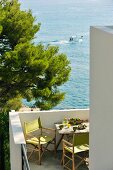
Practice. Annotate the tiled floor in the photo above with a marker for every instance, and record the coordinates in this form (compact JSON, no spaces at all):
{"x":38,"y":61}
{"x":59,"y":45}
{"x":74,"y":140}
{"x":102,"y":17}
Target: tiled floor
{"x":50,"y":163}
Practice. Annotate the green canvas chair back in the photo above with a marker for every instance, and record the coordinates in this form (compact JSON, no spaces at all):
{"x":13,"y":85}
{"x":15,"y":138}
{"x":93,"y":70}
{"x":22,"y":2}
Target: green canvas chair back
{"x":32,"y":126}
{"x":80,"y":138}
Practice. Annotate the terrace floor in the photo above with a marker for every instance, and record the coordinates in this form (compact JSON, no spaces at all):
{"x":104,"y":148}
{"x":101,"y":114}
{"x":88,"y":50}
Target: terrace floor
{"x":50,"y":163}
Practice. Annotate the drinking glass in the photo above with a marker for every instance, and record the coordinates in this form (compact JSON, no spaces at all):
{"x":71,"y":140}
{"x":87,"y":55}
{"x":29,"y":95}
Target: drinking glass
{"x":65,"y":122}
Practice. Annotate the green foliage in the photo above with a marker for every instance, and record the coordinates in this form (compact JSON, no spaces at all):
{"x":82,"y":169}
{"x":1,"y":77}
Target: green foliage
{"x":28,"y":70}
{"x":4,"y":139}
{"x":18,"y":25}
{"x":14,"y":104}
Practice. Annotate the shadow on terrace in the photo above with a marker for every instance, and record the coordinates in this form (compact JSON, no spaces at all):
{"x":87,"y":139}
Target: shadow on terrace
{"x":17,"y":139}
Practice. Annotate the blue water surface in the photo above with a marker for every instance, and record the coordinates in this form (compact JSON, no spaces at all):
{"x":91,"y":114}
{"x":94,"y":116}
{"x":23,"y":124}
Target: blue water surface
{"x":61,"y":19}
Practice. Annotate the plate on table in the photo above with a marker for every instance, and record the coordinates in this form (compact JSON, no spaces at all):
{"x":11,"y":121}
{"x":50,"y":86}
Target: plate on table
{"x":60,"y":127}
{"x":65,"y":127}
{"x":81,"y":127}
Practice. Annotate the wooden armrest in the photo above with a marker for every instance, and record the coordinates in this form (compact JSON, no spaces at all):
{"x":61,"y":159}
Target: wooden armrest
{"x":29,"y":135}
{"x":66,"y":142}
{"x":33,"y":136}
{"x":51,"y":129}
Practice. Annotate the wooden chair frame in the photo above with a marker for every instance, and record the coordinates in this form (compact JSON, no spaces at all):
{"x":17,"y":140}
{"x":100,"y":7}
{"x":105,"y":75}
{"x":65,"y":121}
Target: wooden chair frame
{"x":69,"y":158}
{"x":35,"y":144}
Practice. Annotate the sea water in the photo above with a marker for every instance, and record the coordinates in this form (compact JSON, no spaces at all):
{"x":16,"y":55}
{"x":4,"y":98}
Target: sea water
{"x":61,"y":19}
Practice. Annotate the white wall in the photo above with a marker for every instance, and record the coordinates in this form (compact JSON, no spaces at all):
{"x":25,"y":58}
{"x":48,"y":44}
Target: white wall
{"x":101,"y":98}
{"x":15,"y":153}
{"x":16,"y":139}
{"x":48,"y":118}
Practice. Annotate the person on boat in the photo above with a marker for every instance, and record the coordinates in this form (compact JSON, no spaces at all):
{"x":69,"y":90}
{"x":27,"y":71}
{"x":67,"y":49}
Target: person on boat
{"x":81,"y":39}
{"x":71,"y":39}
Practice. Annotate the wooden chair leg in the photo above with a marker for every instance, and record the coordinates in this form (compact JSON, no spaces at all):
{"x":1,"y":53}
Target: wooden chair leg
{"x":61,"y":162}
{"x":39,"y":154}
{"x":55,"y":153}
{"x":30,"y":154}
{"x":63,"y":157}
{"x":73,"y":162}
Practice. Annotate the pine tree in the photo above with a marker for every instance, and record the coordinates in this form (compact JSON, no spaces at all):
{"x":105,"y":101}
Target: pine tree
{"x":28,"y":70}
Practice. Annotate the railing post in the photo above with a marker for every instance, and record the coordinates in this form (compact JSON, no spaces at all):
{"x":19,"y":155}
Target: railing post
{"x":25,"y":162}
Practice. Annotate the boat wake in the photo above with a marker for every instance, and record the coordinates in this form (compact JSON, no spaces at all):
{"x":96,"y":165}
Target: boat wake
{"x":60,"y":42}
{"x":72,"y":40}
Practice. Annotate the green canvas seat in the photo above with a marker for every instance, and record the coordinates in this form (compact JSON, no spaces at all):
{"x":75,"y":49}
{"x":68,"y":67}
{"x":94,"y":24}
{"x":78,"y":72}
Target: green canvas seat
{"x":35,"y":141}
{"x":38,"y":137}
{"x":79,"y":144}
{"x":77,"y":149}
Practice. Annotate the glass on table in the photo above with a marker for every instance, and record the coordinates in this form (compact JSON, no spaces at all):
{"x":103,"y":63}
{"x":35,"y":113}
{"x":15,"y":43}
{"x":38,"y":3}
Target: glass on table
{"x":69,"y":125}
{"x":65,"y":122}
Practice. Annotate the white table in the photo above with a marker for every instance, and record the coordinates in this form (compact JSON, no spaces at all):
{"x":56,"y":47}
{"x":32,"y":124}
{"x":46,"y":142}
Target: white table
{"x":69,"y":130}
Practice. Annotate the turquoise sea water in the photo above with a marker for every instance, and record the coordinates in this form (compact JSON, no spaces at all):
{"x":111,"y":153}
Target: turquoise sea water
{"x":61,"y":19}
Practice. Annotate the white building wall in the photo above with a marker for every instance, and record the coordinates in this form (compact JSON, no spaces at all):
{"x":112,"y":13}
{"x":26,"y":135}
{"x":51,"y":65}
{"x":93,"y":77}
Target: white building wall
{"x":101,"y":98}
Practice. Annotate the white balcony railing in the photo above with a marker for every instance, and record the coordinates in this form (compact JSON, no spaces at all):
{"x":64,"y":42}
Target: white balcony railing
{"x":48,"y":118}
